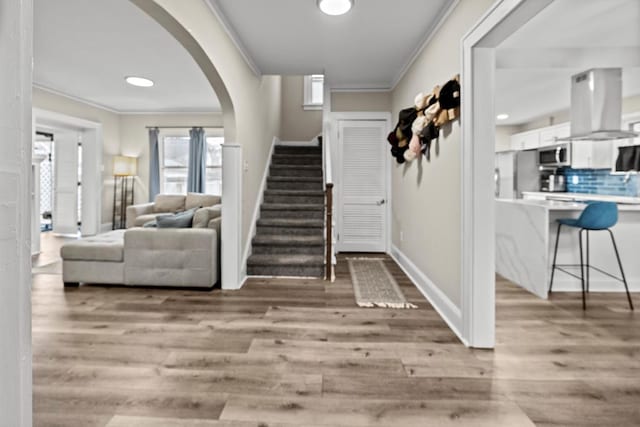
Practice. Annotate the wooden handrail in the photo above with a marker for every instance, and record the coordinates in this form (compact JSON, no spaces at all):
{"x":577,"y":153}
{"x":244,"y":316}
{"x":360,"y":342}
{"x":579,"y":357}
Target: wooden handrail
{"x":329,"y":236}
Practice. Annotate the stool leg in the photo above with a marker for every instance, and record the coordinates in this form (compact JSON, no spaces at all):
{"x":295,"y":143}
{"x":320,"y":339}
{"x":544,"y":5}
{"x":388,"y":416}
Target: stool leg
{"x":624,"y":279}
{"x":584,"y":301}
{"x":555,"y":256}
{"x":588,"y":262}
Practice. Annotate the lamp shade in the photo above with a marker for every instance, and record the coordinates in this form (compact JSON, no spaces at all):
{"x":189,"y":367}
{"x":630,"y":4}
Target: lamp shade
{"x":125,"y":166}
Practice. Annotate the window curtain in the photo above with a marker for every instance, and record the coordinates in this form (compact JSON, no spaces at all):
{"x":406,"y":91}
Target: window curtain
{"x":154,"y":164}
{"x":197,"y":161}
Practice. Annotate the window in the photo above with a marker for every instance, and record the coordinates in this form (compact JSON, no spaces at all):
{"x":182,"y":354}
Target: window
{"x":313,"y":92}
{"x":174,"y":159}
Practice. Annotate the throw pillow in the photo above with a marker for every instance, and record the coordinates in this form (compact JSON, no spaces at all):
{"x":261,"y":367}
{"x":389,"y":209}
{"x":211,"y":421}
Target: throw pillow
{"x":204,"y":215}
{"x":150,"y":224}
{"x":179,"y":220}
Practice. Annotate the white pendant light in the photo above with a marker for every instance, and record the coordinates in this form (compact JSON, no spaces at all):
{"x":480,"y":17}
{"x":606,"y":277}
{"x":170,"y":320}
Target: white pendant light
{"x":335,"y":7}
{"x":139,"y":81}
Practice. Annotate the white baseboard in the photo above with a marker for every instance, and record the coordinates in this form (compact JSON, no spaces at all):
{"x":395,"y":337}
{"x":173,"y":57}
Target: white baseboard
{"x":256,"y":211}
{"x":313,"y":143}
{"x":443,"y":305}
{"x":599,"y":285}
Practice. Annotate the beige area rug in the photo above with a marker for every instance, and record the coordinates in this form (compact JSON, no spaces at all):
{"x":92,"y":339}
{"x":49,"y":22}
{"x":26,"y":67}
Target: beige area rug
{"x":374,"y":286}
{"x":51,"y":268}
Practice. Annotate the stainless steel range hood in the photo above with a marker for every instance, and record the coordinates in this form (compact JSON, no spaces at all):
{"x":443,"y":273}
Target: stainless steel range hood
{"x":596,"y":105}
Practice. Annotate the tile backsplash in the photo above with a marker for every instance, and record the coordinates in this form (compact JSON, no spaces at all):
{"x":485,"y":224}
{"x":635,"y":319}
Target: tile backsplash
{"x":600,"y":181}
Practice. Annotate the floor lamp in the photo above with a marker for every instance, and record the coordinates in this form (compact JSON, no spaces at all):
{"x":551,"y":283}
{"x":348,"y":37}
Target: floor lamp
{"x":124,"y":171}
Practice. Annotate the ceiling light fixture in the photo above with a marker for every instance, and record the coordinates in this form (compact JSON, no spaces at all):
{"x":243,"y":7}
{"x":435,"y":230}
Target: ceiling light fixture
{"x":502,"y":116}
{"x":139,"y":81}
{"x":335,"y":7}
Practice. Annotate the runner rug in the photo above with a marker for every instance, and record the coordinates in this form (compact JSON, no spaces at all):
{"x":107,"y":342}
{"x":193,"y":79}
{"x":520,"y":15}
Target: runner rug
{"x":374,"y":286}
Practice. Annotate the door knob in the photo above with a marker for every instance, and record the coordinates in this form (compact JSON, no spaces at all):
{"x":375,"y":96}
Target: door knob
{"x":381,"y":202}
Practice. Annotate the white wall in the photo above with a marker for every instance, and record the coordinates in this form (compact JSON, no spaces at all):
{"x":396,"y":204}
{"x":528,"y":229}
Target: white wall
{"x":361,"y":101}
{"x":426,"y":195}
{"x":297,"y":124}
{"x":503,"y":137}
{"x":16,"y":26}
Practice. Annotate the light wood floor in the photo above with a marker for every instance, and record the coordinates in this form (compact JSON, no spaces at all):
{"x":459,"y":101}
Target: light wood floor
{"x":299,"y":353}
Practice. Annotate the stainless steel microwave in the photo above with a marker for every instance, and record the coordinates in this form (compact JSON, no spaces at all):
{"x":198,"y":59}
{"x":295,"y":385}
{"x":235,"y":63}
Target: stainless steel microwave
{"x":555,"y":155}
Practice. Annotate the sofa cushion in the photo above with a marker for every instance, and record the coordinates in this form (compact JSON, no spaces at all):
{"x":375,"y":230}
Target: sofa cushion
{"x":203,"y":215}
{"x":179,"y":220}
{"x":199,"y":200}
{"x":103,"y":247}
{"x":169,"y":203}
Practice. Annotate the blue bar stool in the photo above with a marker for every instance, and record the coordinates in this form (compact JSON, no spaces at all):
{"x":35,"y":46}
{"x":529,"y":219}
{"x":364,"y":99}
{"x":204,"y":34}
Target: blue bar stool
{"x":595,"y":217}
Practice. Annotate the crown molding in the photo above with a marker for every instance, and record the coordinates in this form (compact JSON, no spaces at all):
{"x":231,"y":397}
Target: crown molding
{"x":431,"y":32}
{"x":168,"y":113}
{"x":233,"y":35}
{"x":75,"y":98}
{"x":119,"y":112}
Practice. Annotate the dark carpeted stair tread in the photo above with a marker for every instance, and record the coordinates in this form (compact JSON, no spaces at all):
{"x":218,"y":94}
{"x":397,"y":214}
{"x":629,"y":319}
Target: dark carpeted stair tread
{"x":288,"y":149}
{"x":297,"y":159}
{"x":292,"y":240}
{"x":310,"y":193}
{"x":291,"y":222}
{"x":317,"y":179}
{"x":300,"y":167}
{"x":286,"y":260}
{"x":292,"y":206}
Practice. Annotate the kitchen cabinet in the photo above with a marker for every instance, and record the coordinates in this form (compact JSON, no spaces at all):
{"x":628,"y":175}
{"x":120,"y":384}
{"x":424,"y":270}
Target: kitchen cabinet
{"x":591,"y":154}
{"x":549,"y":136}
{"x":539,"y":137}
{"x":633,"y":124}
{"x":525,"y":140}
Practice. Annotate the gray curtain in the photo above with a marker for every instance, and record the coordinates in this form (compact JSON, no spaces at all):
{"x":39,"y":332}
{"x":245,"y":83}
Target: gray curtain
{"x":154,"y":164}
{"x":197,"y":161}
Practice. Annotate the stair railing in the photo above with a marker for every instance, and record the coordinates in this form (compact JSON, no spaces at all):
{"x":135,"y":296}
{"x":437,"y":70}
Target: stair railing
{"x":327,"y":171}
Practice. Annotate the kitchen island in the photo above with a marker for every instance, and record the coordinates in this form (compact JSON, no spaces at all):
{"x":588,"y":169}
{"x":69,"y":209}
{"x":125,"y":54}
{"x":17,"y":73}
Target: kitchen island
{"x":525,"y":239}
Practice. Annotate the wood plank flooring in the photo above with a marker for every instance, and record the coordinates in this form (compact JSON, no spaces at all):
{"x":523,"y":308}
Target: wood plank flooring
{"x":299,"y":353}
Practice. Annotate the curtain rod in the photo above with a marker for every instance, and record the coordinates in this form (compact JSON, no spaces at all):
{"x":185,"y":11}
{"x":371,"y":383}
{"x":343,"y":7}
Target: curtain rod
{"x":184,"y":127}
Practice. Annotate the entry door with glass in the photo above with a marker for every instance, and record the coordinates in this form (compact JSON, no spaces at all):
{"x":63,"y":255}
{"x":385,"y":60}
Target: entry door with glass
{"x":65,"y":209}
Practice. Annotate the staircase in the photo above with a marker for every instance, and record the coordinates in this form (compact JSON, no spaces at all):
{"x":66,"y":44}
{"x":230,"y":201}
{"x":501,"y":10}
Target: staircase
{"x":289,"y":239}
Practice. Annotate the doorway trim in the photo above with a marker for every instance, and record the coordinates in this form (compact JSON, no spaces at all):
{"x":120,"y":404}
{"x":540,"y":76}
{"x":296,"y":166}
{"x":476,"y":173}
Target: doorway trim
{"x":477,"y":163}
{"x":334,"y":120}
{"x":91,"y":193}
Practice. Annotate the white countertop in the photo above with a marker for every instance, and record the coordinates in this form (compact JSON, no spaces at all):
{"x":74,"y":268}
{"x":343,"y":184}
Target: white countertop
{"x":558,"y":205}
{"x":584,"y":196}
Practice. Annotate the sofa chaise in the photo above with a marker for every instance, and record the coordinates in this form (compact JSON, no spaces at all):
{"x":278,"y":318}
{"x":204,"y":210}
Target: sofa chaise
{"x":145,"y":256}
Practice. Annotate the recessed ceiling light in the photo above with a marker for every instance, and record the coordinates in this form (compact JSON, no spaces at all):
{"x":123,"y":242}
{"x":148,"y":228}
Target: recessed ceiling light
{"x":502,"y":116}
{"x":335,"y":7}
{"x":139,"y":81}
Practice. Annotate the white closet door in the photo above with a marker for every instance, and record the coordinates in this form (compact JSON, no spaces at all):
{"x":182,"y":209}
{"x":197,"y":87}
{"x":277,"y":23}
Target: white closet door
{"x":65,"y":207}
{"x":363,"y":186}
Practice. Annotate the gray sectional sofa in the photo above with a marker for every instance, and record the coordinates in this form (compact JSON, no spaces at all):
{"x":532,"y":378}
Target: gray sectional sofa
{"x":173,"y":257}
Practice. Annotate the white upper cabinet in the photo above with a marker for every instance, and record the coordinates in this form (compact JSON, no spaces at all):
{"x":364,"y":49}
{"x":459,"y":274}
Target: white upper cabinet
{"x":549,"y":136}
{"x":525,"y":140}
{"x":591,"y":154}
